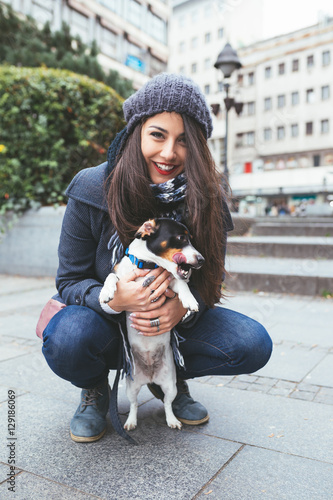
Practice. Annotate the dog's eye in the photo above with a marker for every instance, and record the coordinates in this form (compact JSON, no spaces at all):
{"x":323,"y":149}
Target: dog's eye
{"x":181,"y":237}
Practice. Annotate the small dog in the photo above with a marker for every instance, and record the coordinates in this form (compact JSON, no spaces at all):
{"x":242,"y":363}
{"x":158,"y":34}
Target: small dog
{"x":165,"y":243}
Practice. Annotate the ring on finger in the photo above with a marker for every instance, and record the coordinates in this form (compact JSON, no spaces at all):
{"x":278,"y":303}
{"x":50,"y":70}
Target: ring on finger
{"x":173,"y":296}
{"x":158,"y":328}
{"x":155,"y":322}
{"x":148,"y":281}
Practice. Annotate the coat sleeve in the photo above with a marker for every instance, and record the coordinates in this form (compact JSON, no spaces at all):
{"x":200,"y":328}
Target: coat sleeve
{"x":76,"y":280}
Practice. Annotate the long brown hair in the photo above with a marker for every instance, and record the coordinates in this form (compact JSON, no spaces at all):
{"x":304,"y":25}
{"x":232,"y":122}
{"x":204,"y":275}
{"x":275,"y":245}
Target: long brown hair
{"x":131,"y":202}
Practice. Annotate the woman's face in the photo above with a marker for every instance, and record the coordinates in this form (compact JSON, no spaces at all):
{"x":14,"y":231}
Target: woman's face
{"x":163,"y":146}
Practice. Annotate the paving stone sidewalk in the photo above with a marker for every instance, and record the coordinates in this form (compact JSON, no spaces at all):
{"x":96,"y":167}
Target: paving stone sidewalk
{"x":269,"y":434}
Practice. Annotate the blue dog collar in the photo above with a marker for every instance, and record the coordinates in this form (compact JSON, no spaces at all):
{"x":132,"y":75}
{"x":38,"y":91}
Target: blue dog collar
{"x":140,"y":264}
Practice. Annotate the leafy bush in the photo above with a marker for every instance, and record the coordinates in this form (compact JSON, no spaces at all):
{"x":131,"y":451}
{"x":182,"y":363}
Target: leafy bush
{"x":22,"y":43}
{"x":53,"y":123}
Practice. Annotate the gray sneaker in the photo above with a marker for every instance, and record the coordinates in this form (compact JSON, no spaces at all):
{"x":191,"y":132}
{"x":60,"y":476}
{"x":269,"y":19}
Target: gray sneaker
{"x":187,"y":410}
{"x":89,"y":421}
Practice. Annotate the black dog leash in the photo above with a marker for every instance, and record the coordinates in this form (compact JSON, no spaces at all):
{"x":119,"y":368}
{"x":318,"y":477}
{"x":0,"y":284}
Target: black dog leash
{"x":113,"y":406}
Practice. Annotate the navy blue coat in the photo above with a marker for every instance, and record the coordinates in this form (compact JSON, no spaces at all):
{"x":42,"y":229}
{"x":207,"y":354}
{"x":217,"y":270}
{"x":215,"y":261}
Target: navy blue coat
{"x":84,"y":258}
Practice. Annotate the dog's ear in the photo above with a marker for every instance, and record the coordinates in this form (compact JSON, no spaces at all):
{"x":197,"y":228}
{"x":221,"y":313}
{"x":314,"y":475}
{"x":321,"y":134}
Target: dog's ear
{"x":149,"y":227}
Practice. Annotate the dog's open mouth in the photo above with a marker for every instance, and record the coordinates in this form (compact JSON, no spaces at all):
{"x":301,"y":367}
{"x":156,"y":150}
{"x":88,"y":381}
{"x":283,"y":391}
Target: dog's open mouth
{"x":184,"y":271}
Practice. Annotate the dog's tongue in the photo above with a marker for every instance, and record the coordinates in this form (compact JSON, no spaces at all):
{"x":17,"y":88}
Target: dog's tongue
{"x":179,"y":258}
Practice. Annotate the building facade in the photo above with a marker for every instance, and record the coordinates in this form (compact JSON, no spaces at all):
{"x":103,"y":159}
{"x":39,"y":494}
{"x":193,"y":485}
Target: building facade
{"x":280,"y":147}
{"x":132,"y":35}
{"x":282,"y":144}
{"x":199,"y":29}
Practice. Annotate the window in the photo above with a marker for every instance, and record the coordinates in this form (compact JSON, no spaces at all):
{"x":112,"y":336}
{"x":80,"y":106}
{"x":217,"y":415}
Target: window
{"x":220,"y":33}
{"x":79,"y":25}
{"x":251,"y":78}
{"x":114,"y":5}
{"x":240,"y":78}
{"x":250,"y":108}
{"x":309,"y":128}
{"x":42,"y":13}
{"x":181,"y":46}
{"x":207,"y":89}
{"x":246,"y":139}
{"x":268,"y":103}
{"x":294,"y":98}
{"x":281,"y":69}
{"x":281,"y":101}
{"x":156,"y":66}
{"x":194,"y":68}
{"x":295,"y":65}
{"x":194,"y":42}
{"x":108,"y":42}
{"x":134,"y":13}
{"x":310,"y":95}
{"x":267,"y":134}
{"x":325,"y":92}
{"x":310,"y":61}
{"x":294,"y":130}
{"x":326,"y":58}
{"x":316,"y":160}
{"x":281,"y":133}
{"x":324,"y":127}
{"x":208,"y":63}
{"x":207,"y":37}
{"x":158,"y":28}
{"x":249,"y":139}
{"x":268,"y":72}
{"x":239,"y":140}
{"x":181,"y":70}
{"x":220,"y":86}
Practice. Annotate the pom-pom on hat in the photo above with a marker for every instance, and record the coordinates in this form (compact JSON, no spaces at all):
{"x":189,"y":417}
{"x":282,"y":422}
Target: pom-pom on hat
{"x":168,"y":92}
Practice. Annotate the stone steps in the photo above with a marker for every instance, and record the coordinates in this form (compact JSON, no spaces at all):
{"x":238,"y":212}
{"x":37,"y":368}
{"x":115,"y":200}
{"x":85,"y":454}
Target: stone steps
{"x":283,"y":255}
{"x":299,"y":247}
{"x":297,"y":228}
{"x":279,"y":275}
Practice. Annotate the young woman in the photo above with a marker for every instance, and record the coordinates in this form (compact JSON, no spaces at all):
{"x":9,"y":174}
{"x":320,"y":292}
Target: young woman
{"x":159,"y":165}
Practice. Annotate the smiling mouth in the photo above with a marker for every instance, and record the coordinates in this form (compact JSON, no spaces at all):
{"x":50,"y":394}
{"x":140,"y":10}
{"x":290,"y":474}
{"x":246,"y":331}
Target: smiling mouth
{"x":164,"y":168}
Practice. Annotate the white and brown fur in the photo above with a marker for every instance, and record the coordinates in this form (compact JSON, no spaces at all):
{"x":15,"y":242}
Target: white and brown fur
{"x":166,"y":243}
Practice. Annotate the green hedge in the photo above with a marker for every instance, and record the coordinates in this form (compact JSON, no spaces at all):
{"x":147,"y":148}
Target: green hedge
{"x":53,"y":123}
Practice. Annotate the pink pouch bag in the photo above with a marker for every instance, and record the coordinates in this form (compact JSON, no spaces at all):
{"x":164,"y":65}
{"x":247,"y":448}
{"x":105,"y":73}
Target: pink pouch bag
{"x":49,"y":310}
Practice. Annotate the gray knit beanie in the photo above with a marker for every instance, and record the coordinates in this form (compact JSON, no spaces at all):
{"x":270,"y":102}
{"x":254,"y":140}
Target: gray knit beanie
{"x":168,"y":92}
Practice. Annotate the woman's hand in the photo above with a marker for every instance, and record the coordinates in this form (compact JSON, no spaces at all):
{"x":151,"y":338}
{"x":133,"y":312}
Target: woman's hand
{"x":169,"y":314}
{"x":147,"y":294}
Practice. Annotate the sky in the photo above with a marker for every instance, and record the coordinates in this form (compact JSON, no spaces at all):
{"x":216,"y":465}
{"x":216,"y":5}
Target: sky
{"x":284,"y":16}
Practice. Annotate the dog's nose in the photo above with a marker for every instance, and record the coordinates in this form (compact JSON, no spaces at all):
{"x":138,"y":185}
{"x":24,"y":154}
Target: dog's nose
{"x":200,"y":260}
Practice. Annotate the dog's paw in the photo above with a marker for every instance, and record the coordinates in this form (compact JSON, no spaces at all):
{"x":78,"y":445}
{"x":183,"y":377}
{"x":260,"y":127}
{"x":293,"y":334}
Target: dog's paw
{"x":174,"y":423}
{"x":104,"y":296}
{"x":109,"y":288}
{"x":130,"y":424}
{"x":190,"y":303}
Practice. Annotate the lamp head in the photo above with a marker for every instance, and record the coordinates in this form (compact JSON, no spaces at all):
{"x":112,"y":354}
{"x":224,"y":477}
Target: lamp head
{"x":228,"y":61}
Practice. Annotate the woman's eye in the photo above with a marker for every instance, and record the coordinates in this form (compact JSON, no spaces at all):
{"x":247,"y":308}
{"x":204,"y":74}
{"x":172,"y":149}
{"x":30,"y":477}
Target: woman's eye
{"x":158,"y":135}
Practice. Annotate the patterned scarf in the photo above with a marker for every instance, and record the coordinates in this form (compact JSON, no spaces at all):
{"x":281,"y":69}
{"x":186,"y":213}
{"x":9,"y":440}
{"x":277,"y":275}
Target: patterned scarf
{"x":171,"y":197}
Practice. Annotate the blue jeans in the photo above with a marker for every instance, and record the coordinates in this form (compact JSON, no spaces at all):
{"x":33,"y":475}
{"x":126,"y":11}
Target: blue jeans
{"x":81,"y":346}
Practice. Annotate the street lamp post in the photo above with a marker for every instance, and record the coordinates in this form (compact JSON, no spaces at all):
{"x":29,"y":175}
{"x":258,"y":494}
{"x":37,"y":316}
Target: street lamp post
{"x":227,"y":62}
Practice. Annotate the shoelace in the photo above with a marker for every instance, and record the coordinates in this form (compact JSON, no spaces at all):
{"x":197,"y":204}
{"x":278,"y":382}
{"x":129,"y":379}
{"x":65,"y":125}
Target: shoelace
{"x":91,"y":397}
